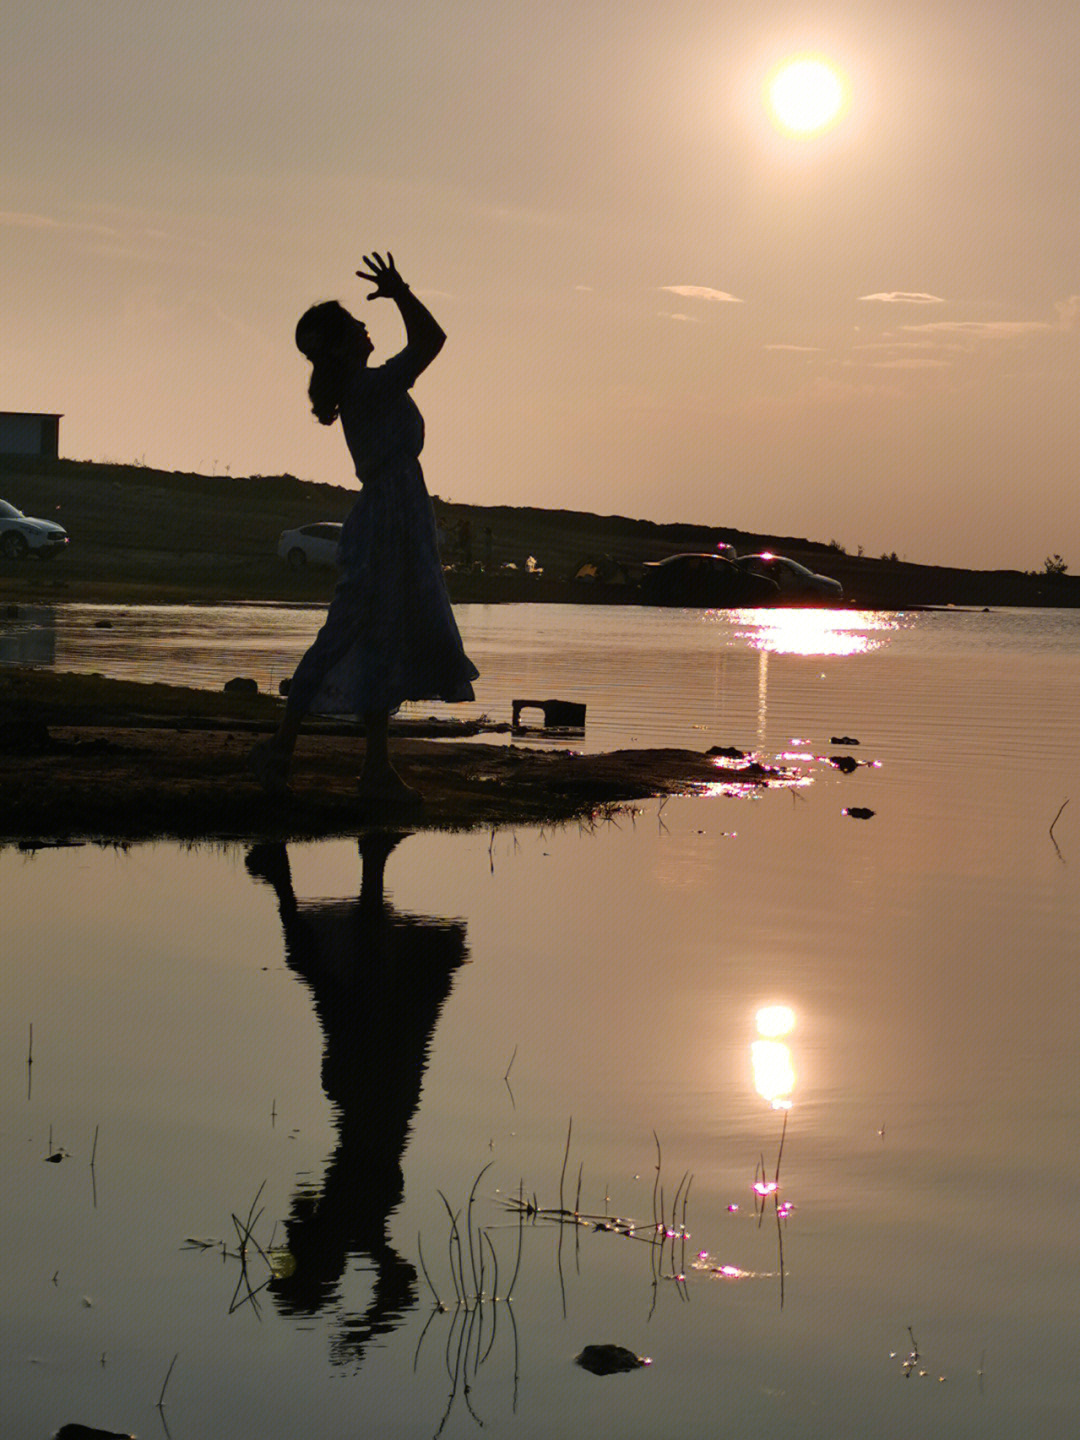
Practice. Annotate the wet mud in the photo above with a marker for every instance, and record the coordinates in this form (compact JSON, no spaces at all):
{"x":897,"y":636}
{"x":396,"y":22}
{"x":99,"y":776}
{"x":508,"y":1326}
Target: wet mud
{"x":93,"y":759}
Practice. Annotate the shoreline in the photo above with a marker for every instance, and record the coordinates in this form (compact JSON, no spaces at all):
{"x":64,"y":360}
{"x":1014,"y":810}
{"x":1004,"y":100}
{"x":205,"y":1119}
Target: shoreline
{"x":88,"y":759}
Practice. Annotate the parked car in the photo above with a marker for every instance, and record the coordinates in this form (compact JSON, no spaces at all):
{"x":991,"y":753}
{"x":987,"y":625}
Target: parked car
{"x":315,"y":544}
{"x":795,"y":581}
{"x":706,"y":580}
{"x":22,"y":535}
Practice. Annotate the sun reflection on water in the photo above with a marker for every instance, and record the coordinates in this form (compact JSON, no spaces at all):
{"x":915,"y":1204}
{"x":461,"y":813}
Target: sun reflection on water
{"x":774,"y":1073}
{"x":815,"y":632}
{"x":773,"y":1067}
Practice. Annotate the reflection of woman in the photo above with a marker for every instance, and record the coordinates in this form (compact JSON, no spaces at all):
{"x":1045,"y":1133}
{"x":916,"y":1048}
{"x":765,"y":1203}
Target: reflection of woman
{"x":378,"y":980}
{"x":390,"y":634}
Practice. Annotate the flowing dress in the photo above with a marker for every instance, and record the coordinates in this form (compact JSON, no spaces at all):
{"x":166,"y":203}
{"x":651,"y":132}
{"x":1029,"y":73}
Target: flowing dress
{"x":390,"y":633}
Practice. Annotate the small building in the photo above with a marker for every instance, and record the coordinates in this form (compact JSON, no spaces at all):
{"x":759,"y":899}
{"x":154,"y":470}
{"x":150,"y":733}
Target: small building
{"x":24,"y":432}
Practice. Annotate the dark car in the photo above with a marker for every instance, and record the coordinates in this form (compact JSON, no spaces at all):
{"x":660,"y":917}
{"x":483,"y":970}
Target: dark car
{"x":796,"y":582}
{"x":705,"y":581}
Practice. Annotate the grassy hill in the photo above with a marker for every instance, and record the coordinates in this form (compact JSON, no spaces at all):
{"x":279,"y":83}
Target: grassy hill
{"x":139,"y":534}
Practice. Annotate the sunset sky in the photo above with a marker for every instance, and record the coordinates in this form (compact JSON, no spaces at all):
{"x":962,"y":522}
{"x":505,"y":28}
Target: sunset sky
{"x":660,"y":303}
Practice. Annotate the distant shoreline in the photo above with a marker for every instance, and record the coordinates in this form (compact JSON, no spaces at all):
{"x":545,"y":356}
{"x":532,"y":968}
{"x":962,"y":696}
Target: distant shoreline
{"x":143,"y":536}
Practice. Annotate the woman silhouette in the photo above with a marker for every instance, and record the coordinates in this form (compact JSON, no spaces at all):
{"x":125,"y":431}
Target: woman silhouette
{"x":390,"y":634}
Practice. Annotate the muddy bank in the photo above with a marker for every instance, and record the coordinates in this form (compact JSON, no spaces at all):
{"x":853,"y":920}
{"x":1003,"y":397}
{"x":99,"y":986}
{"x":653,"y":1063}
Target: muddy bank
{"x":86,"y":758}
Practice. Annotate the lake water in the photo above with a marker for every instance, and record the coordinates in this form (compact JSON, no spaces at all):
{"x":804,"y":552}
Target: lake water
{"x":271,"y":1035}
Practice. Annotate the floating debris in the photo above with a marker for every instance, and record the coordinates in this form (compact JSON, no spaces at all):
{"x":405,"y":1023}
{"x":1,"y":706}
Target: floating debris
{"x":84,"y":1432}
{"x":859,"y":812}
{"x":610,"y":1360}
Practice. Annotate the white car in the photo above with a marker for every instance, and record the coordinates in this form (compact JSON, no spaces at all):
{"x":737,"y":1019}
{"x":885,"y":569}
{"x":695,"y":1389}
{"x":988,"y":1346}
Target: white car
{"x":315,"y":544}
{"x":22,"y":535}
{"x":794,"y":580}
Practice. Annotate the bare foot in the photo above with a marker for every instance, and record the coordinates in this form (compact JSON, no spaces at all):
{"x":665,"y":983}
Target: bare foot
{"x":270,"y":766}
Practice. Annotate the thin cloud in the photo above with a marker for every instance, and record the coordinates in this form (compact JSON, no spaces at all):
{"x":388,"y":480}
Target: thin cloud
{"x":890,"y":345}
{"x":678,"y":315}
{"x":984,"y":331}
{"x":796,"y":349}
{"x":702,"y":292}
{"x":904,"y":297}
{"x":911,"y":362}
{"x":979,"y":330}
{"x":20,"y":220}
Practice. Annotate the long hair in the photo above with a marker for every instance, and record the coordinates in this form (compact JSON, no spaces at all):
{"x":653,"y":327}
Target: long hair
{"x":321,"y":333}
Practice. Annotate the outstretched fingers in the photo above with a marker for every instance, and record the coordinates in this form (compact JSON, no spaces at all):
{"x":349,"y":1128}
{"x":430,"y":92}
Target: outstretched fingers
{"x":381,"y":273}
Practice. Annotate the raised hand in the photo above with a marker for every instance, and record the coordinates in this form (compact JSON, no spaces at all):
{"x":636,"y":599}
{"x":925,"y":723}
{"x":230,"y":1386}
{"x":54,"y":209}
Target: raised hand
{"x":383,"y":275}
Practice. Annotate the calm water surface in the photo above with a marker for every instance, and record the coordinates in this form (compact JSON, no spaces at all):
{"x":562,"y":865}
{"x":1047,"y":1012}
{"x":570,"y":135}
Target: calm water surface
{"x":215,"y":1024}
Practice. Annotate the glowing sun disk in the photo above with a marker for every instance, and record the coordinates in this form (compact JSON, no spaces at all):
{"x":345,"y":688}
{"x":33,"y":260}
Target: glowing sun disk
{"x":805,"y":95}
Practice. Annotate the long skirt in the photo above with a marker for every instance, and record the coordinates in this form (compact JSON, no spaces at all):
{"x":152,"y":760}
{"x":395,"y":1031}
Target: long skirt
{"x":390,"y":633}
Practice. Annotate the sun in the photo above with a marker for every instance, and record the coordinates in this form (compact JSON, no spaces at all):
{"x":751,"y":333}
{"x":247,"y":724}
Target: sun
{"x":805,"y":95}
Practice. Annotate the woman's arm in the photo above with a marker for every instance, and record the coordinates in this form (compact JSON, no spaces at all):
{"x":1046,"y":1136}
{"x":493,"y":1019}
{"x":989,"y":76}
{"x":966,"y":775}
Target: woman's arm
{"x":424,"y":334}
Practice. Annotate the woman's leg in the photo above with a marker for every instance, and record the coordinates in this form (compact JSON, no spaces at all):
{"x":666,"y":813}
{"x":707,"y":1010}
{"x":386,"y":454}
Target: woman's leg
{"x":378,"y":779}
{"x":269,"y":759}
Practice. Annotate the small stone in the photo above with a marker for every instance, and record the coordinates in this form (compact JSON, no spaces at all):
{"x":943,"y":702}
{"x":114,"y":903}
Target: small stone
{"x":609,"y":1360}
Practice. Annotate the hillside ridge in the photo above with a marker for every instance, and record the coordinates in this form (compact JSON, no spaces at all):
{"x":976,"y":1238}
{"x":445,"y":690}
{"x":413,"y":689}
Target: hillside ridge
{"x":138,"y":531}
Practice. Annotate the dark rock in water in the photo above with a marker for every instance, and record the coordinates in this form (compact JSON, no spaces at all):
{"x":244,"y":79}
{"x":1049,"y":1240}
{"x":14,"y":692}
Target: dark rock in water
{"x":241,"y":685}
{"x":757,"y":771}
{"x":84,"y":1432}
{"x":608,"y":1360}
{"x":859,"y":812}
{"x":844,"y":763}
{"x":729,"y":752}
{"x":842,"y":740}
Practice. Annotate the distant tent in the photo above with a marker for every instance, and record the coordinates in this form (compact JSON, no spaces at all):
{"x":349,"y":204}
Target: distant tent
{"x":602,"y":570}
{"x":24,"y":432}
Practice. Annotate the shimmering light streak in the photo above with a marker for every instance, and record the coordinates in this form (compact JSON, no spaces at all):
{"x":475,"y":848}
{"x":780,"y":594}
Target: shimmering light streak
{"x":784,"y":631}
{"x":723,"y":1272}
